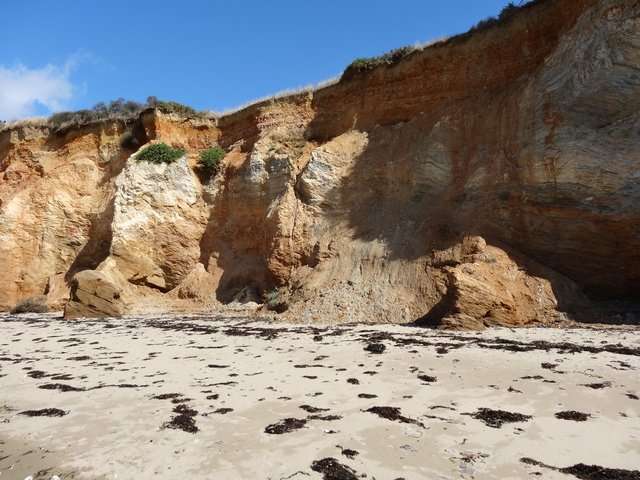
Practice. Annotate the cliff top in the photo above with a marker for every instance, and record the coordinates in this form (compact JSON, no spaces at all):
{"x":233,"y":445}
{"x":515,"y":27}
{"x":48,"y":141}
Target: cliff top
{"x":126,"y":110}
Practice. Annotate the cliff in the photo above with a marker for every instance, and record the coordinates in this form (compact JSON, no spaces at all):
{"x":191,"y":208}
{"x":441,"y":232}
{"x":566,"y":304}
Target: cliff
{"x":490,"y":179}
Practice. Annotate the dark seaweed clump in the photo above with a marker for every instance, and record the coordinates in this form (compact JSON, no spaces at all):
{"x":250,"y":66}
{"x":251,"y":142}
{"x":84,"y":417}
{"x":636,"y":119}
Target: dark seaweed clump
{"x":331,"y":469}
{"x":45,"y":412}
{"x":166,"y":396}
{"x":589,"y":472}
{"x":392,"y":413}
{"x":497,"y":418}
{"x":184,"y":420}
{"x":427,"y":378}
{"x":223,"y":411}
{"x":347,"y":452}
{"x":285,"y":426}
{"x":63,"y":387}
{"x":597,"y":386}
{"x":326,"y":418}
{"x":375,"y":348}
{"x":310,"y":409}
{"x":572,"y":415}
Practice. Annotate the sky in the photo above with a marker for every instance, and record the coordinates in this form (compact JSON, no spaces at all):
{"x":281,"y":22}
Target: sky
{"x":208,"y":54}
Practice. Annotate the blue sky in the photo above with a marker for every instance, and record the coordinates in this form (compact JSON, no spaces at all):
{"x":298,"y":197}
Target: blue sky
{"x":211,"y":55}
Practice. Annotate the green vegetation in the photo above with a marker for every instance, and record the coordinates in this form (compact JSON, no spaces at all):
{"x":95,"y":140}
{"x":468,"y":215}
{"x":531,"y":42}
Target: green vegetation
{"x":275,"y":302}
{"x":369,"y":63}
{"x":177,"y":108}
{"x":272,"y":298}
{"x":30,"y":305}
{"x":119,"y":109}
{"x":159,"y":153}
{"x":116,"y":110}
{"x":210,"y":159}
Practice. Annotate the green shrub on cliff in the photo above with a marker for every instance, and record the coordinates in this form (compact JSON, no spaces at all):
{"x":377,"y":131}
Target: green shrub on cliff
{"x":119,"y":109}
{"x":210,"y":159}
{"x":159,"y":153}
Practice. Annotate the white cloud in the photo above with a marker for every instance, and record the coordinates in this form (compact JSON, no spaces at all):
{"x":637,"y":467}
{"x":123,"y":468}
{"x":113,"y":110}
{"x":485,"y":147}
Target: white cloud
{"x":23,"y":88}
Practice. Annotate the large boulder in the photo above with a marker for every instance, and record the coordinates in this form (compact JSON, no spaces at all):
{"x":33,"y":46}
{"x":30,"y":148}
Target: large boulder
{"x":486,"y":287}
{"x":103,"y":292}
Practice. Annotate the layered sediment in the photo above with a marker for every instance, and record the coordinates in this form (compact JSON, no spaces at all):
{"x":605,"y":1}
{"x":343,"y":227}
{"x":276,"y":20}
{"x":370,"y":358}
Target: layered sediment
{"x":489,"y":179}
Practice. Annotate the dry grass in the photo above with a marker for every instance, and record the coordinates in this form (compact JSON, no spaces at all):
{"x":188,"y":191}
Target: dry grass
{"x":289,"y":92}
{"x":24,"y":122}
{"x":30,"y":305}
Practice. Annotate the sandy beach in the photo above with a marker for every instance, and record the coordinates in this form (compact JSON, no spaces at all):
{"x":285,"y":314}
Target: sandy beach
{"x":205,"y":397}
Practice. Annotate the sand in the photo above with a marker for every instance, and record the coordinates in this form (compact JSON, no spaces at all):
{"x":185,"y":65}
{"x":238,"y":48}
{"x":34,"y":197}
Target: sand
{"x":339,"y":402}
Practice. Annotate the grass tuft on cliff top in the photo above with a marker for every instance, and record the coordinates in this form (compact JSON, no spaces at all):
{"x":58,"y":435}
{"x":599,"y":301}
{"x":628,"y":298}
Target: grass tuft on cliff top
{"x":158,"y":153}
{"x":365,"y":64}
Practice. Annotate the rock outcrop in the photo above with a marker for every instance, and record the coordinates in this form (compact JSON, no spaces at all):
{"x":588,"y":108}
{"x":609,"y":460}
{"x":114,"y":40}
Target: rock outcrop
{"x":157,"y":224}
{"x":100,"y":292}
{"x":492,"y":179}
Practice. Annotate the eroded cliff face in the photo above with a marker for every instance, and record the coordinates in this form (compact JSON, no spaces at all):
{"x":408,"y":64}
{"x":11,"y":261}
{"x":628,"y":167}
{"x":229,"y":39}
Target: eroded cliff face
{"x":489,"y":180}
